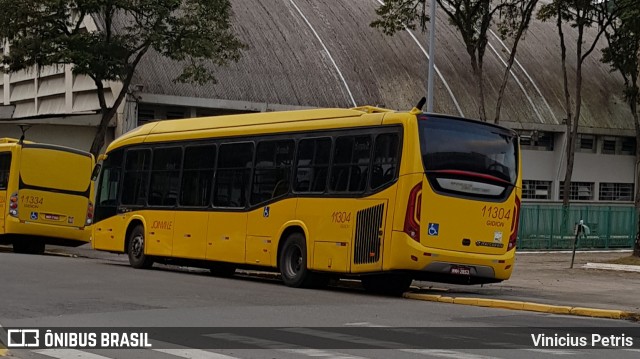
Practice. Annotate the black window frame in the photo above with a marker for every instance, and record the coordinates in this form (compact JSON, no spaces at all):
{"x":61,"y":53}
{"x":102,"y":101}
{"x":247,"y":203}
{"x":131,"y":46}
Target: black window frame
{"x":5,"y":173}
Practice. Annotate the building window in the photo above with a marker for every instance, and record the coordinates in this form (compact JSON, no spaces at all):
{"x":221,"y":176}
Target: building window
{"x":586,"y":143}
{"x":580,"y":191}
{"x":537,"y":140}
{"x":618,"y":146}
{"x":616,"y":191}
{"x":176,"y":113}
{"x":146,"y":114}
{"x":532,"y":189}
{"x":628,"y":146}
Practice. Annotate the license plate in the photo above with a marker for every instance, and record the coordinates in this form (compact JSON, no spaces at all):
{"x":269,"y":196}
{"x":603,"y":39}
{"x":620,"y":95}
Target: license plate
{"x":52,"y":217}
{"x":460,"y":270}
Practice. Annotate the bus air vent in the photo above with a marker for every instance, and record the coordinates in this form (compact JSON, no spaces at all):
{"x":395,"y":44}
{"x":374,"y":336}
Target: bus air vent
{"x":368,"y":235}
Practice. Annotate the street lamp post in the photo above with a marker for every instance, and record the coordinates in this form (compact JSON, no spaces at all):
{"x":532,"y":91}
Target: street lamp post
{"x":432,"y":50}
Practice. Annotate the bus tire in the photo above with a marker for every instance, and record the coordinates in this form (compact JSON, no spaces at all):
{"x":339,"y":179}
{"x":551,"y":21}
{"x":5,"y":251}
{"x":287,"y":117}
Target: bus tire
{"x":135,"y":250}
{"x":293,"y":262}
{"x":386,"y":284}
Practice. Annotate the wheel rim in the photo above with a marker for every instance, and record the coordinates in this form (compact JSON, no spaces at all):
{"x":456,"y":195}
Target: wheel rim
{"x":137,"y":246}
{"x":293,"y":261}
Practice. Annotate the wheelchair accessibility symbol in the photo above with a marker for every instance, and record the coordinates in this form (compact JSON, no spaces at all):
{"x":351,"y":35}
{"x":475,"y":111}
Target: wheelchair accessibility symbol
{"x":433,"y":230}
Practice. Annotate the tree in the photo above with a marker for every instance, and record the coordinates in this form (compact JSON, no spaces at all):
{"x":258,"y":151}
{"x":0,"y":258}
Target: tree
{"x":472,"y":19}
{"x":49,"y":32}
{"x":623,"y":54}
{"x":580,"y":15}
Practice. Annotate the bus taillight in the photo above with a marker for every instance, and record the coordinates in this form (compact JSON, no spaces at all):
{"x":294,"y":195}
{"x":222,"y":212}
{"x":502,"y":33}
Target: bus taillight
{"x":412,"y":217}
{"x":13,"y":204}
{"x":514,"y":225}
{"x":89,"y":220}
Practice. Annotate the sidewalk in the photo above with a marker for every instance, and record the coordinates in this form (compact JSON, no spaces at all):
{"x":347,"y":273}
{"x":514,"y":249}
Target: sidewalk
{"x":546,"y":278}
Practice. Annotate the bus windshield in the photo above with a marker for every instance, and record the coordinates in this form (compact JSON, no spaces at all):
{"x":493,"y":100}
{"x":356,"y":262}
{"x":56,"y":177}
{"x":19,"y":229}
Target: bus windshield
{"x":450,"y":145}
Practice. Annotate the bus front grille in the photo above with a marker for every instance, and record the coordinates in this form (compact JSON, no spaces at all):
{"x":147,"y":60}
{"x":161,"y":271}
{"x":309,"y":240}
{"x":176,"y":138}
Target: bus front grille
{"x":368,"y":235}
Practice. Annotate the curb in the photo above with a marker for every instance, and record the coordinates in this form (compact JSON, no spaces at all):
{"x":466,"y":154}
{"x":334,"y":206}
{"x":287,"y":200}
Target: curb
{"x":527,"y":306}
{"x":616,"y":267}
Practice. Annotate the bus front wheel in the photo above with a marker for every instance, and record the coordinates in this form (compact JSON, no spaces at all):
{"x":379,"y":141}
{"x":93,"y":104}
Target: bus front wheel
{"x":135,"y":250}
{"x":386,"y":284}
{"x":293,"y":262}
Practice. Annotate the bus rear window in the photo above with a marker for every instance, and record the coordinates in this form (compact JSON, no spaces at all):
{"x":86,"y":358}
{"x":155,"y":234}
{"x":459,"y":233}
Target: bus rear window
{"x":469,"y":149}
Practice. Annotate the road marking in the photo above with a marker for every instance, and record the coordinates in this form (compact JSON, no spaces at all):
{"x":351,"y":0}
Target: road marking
{"x":375,"y":343}
{"x":553,"y":351}
{"x":632,"y":350}
{"x":69,"y":353}
{"x":280,"y":346}
{"x":194,"y":354}
{"x":447,"y":354}
{"x":366,"y":325}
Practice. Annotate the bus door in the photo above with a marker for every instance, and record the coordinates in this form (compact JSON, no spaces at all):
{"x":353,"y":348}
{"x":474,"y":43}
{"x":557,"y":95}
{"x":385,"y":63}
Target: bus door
{"x":5,"y":164}
{"x":227,"y":227}
{"x":271,"y":183}
{"x":467,"y":199}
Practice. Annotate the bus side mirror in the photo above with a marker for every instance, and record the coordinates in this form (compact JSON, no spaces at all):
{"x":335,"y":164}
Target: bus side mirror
{"x":96,"y":172}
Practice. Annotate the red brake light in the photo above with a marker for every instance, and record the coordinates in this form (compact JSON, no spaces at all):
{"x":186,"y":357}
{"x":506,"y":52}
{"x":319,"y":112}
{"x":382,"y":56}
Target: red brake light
{"x":514,"y":225}
{"x":89,"y":220}
{"x":412,"y":217}
{"x":13,"y":204}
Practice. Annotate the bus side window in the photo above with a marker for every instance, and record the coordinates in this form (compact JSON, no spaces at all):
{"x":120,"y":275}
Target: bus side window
{"x":233,"y":173}
{"x":385,"y":160}
{"x":312,"y":166}
{"x":165,"y":173}
{"x":5,"y":164}
{"x":350,"y":167}
{"x":273,"y":170}
{"x":136,"y":175}
{"x":197,"y":175}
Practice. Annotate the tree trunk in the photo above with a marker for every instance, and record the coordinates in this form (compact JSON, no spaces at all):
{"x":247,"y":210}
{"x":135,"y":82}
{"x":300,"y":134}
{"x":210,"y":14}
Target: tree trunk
{"x":636,"y":120}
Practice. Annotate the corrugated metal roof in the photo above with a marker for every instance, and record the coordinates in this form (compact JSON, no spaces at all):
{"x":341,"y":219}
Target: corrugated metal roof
{"x":286,"y":63}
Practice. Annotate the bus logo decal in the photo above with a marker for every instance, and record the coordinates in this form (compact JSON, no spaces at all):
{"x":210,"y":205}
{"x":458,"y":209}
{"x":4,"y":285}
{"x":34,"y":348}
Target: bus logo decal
{"x":34,"y":216}
{"x":434,"y":228}
{"x":265,"y":212}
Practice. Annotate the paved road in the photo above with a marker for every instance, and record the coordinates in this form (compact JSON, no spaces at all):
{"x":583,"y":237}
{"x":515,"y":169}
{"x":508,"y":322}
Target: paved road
{"x":72,"y":292}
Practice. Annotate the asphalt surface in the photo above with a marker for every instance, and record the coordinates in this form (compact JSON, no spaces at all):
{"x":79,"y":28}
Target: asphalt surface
{"x":538,"y":277}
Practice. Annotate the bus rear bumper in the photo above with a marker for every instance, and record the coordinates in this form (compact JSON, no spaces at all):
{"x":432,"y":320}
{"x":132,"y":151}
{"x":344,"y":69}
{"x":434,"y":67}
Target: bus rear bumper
{"x":52,"y":234}
{"x":439,"y":265}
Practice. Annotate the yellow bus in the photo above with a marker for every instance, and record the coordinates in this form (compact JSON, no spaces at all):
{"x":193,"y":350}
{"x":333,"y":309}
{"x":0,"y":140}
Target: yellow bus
{"x":45,"y":193}
{"x":365,"y":192}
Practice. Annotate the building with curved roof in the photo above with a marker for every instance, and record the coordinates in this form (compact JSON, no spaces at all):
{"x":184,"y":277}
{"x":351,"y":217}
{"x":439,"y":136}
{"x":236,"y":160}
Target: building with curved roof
{"x":322,"y":53}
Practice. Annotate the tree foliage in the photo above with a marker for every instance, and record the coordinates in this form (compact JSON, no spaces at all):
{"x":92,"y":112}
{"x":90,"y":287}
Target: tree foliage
{"x":623,"y":55}
{"x":472,"y":19}
{"x":49,"y":32}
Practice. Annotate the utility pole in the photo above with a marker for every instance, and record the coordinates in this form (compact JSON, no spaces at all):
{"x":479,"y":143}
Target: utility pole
{"x":432,"y":50}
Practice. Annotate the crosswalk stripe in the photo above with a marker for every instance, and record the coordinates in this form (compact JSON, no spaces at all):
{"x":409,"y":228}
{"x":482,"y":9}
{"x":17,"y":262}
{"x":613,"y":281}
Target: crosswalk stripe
{"x":447,"y":354}
{"x":194,"y":354}
{"x":553,"y":351}
{"x":69,"y":354}
{"x":632,"y":350}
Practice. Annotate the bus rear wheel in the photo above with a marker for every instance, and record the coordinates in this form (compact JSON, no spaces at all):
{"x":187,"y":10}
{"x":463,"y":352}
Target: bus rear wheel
{"x":386,"y":284}
{"x":293,"y":262}
{"x":135,"y":250}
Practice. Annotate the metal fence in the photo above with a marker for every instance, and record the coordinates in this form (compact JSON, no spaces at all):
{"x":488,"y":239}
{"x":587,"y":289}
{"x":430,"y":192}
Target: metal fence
{"x":541,"y":227}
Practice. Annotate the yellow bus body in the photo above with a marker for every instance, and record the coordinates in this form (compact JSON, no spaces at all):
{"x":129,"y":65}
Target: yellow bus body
{"x":357,"y":234}
{"x":46,"y":195}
